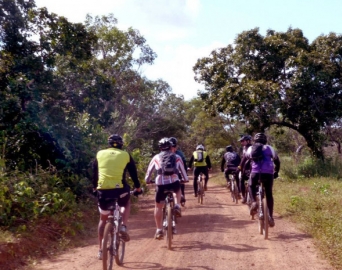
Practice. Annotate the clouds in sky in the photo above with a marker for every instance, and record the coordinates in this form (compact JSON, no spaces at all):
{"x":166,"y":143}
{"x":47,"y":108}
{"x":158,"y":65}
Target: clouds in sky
{"x":182,"y":31}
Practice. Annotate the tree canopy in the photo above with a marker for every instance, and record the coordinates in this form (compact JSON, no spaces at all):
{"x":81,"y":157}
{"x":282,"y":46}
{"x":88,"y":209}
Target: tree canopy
{"x":278,"y":79}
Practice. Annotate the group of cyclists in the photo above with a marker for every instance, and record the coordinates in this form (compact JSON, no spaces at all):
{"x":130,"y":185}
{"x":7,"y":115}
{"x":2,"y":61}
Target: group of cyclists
{"x":265,"y":170}
{"x":111,"y":164}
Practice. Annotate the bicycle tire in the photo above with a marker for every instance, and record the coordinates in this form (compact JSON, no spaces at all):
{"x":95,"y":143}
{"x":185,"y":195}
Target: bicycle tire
{"x":202,"y":192}
{"x":260,"y":221}
{"x":266,"y":226}
{"x":120,"y":249}
{"x":169,"y":226}
{"x":107,"y":247}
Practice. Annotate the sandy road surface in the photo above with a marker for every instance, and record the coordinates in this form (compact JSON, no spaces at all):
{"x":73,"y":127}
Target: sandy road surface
{"x":215,"y":235}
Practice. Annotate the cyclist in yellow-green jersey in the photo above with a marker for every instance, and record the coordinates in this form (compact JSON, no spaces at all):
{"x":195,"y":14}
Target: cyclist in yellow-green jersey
{"x":109,"y":180}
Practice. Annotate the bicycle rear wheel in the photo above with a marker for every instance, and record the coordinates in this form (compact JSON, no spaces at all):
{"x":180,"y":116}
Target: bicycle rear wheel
{"x":169,"y":226}
{"x":260,"y":221}
{"x":265,"y":230}
{"x":234,"y":190}
{"x":107,"y":247}
{"x":119,"y":249}
{"x":201,"y":195}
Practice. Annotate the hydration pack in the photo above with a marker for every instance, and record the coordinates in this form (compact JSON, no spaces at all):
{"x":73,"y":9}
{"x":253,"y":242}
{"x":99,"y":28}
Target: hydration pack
{"x":168,"y":163}
{"x":200,"y":157}
{"x":257,"y":153}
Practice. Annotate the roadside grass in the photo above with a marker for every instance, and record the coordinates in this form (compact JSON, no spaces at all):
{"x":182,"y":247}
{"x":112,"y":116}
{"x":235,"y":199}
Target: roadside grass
{"x":315,"y":205}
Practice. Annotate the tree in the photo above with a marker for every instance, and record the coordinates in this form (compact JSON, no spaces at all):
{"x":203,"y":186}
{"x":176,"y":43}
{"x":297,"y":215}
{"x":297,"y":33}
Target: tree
{"x":279,"y":79}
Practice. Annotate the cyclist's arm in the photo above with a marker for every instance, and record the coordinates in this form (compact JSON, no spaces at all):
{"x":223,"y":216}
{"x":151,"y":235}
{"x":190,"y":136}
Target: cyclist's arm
{"x":150,"y":169}
{"x":276,"y":161}
{"x":191,"y":161}
{"x":95,"y":177}
{"x":181,"y":169}
{"x":207,"y":160}
{"x":222,"y":163}
{"x":132,"y":170}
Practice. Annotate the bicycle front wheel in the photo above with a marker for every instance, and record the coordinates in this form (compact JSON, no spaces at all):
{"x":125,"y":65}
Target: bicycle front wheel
{"x":107,"y":247}
{"x":169,"y":226}
{"x":261,"y":221}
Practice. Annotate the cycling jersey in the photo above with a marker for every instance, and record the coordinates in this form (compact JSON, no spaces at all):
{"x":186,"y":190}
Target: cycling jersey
{"x":164,"y":179}
{"x":267,"y":165}
{"x":205,"y":162}
{"x":109,"y":169}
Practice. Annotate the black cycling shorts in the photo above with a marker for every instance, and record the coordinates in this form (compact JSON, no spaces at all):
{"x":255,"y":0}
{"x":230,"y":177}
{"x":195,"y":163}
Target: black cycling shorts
{"x":160,"y":195}
{"x":106,"y":197}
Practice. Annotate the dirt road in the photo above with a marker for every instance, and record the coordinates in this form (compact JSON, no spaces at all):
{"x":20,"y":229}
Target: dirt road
{"x":215,"y":235}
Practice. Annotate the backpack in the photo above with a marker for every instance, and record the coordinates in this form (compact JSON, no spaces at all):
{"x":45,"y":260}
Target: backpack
{"x":199,"y":156}
{"x":168,"y":163}
{"x":257,"y":153}
{"x":232,"y":158}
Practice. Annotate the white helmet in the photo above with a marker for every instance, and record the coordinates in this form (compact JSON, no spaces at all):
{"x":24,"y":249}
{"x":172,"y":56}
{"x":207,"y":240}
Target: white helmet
{"x":200,"y":147}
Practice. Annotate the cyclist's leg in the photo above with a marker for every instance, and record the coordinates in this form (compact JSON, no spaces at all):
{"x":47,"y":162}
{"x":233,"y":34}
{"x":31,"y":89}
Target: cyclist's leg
{"x":124,"y":203}
{"x":237,"y":179}
{"x":100,"y":228}
{"x":252,"y":186}
{"x":242,"y":187}
{"x":205,"y":171}
{"x":268,"y":184}
{"x":177,"y":195}
{"x":196,"y":174}
{"x":158,"y":210}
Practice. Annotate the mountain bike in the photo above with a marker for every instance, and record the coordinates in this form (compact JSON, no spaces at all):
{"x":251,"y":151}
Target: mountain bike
{"x":113,"y":246}
{"x":169,"y":217}
{"x":200,"y":188}
{"x":263,"y":212}
{"x":234,"y":191}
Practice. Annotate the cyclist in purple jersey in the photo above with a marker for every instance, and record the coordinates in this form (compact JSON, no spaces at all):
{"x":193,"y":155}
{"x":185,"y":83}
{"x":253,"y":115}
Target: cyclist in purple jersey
{"x":265,"y":170}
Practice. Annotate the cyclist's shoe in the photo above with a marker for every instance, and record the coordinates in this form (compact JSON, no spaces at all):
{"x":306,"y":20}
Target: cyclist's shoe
{"x":159,"y":235}
{"x":254,"y":209}
{"x":261,"y":216}
{"x":195,"y":194}
{"x":205,"y":188}
{"x":177,"y":210}
{"x":174,"y":230}
{"x":182,"y":200}
{"x":271,"y":221}
{"x":243,"y":200}
{"x":99,"y":255}
{"x":124,"y":234}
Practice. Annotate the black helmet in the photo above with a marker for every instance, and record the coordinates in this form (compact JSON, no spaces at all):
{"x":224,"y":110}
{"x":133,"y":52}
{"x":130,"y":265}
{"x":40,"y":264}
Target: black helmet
{"x":229,"y":148}
{"x":260,"y":138}
{"x":200,"y":147}
{"x":164,"y":144}
{"x":173,"y":141}
{"x":245,"y":138}
{"x":115,"y":140}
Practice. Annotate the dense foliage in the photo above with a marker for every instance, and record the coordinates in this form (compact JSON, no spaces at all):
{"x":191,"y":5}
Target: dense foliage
{"x":278,"y":79}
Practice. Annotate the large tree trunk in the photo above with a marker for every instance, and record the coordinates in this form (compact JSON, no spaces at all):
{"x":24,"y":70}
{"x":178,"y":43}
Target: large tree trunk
{"x":314,"y":143}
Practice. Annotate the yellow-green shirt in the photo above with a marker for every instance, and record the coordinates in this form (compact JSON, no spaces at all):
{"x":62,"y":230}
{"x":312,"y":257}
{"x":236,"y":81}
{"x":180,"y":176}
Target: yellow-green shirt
{"x":200,"y":164}
{"x":111,"y":165}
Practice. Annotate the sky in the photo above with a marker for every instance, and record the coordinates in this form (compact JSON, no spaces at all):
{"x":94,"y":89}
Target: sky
{"x":182,"y":31}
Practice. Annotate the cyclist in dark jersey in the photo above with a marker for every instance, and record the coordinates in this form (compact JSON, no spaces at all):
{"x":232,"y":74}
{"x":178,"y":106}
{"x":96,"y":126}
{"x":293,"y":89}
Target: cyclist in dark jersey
{"x":109,"y":171}
{"x":245,"y":141}
{"x":232,"y":161}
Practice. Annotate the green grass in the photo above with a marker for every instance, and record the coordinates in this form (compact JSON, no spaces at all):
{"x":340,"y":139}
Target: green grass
{"x":315,"y":205}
